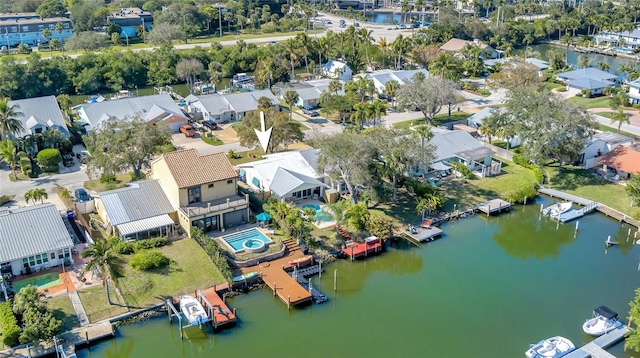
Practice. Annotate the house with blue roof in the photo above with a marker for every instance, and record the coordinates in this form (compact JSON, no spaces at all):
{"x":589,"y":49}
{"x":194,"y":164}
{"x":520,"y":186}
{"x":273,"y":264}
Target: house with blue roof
{"x":587,"y":79}
{"x":634,"y":91}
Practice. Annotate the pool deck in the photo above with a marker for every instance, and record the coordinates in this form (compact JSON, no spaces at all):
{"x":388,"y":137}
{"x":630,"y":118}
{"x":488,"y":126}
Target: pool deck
{"x":274,"y":275}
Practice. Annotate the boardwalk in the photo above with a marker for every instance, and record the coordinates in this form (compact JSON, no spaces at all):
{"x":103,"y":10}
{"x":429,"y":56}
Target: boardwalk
{"x":618,"y":215}
{"x":565,"y":196}
{"x":596,"y":348}
{"x":494,"y":206}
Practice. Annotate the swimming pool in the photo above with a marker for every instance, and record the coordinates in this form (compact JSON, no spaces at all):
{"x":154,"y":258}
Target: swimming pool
{"x":321,"y":215}
{"x":42,"y":281}
{"x":237,"y":241}
{"x":623,"y":49}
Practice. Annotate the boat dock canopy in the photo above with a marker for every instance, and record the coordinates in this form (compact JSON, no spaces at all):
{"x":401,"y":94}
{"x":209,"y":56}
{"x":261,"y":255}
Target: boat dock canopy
{"x":606,"y":312}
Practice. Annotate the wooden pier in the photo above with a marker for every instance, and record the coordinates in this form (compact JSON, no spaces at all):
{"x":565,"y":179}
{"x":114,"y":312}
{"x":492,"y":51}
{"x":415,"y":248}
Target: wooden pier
{"x":301,"y":277}
{"x":284,"y":286}
{"x":221,"y":315}
{"x":422,"y":234}
{"x":495,"y":206}
{"x":596,"y":348}
{"x":370,"y":246}
{"x":576,"y":213}
{"x":615,"y":214}
{"x":565,"y":196}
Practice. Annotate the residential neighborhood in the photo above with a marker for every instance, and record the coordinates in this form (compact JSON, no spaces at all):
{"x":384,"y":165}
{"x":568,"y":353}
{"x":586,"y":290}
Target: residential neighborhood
{"x":169,"y":170}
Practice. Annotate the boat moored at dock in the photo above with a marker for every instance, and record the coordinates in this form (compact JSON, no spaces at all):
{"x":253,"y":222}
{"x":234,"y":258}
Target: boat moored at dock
{"x":604,"y":320}
{"x":553,"y":347}
{"x":192,"y":309}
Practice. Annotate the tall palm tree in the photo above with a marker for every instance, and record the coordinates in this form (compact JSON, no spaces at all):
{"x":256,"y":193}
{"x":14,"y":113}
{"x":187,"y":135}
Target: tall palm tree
{"x":365,"y":36}
{"x":292,"y":50}
{"x":360,"y":115}
{"x":626,"y":69}
{"x":58,"y":27}
{"x":424,"y":135}
{"x":323,"y":46}
{"x":335,"y":86}
{"x":290,"y":98}
{"x":377,"y":109}
{"x":391,"y":89}
{"x":35,"y":195}
{"x":384,"y":47}
{"x":445,"y":64}
{"x":104,"y":258}
{"x":304,"y":47}
{"x":603,"y":66}
{"x":619,"y":117}
{"x":584,"y":61}
{"x":9,"y":123}
{"x":9,"y":155}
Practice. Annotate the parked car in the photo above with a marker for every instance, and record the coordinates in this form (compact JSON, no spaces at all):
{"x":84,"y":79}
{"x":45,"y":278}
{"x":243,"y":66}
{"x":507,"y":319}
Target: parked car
{"x":67,"y":160}
{"x":310,"y":112}
{"x":210,"y":124}
{"x":188,"y":130}
{"x":82,"y":195}
{"x":82,"y":156}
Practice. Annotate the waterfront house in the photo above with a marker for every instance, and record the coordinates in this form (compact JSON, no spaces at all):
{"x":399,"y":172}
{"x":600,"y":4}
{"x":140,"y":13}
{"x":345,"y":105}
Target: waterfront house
{"x":130,"y":18}
{"x":600,"y":144}
{"x":309,"y":92}
{"x":139,"y":210}
{"x":634,"y":92}
{"x":33,"y":238}
{"x":477,"y":119}
{"x":623,"y":161}
{"x":26,"y":28}
{"x":381,"y":77}
{"x":287,"y":176}
{"x":203,"y":189}
{"x":153,"y":109}
{"x":630,"y":39}
{"x":460,"y":146}
{"x":337,"y":69}
{"x":587,"y":79}
{"x":456,"y":45}
{"x":40,"y":114}
{"x":539,"y":64}
{"x":229,"y":107}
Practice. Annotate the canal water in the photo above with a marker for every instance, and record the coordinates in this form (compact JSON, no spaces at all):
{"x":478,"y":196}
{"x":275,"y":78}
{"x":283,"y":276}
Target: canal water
{"x":488,"y":288}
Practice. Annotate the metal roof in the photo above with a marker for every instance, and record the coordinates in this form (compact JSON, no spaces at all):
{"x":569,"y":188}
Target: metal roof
{"x":589,"y":83}
{"x":137,"y":201}
{"x":589,"y":72}
{"x":94,"y":113}
{"x":450,"y":144}
{"x":303,"y":162}
{"x":32,"y":230}
{"x":613,"y":138}
{"x":40,"y":110}
{"x":144,"y":224}
{"x":476,"y":119}
{"x":248,"y":101}
{"x":285,"y":182}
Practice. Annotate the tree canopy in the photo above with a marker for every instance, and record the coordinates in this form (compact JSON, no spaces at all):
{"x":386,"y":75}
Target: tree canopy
{"x":427,"y":95}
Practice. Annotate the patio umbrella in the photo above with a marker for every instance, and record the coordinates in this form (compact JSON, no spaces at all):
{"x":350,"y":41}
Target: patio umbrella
{"x":263,"y":217}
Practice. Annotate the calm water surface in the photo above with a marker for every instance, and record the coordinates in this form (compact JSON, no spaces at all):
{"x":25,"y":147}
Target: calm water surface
{"x":488,"y":288}
{"x":572,"y":57}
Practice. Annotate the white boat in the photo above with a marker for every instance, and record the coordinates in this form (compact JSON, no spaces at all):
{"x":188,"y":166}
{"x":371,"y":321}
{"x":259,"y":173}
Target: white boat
{"x":553,"y":347}
{"x":193,"y":310}
{"x":556,"y":209}
{"x":240,"y":79}
{"x":603,"y":321}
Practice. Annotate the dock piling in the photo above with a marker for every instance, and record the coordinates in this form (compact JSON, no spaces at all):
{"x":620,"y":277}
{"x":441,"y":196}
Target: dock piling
{"x":320,"y":265}
{"x":335,"y":280}
{"x":577,"y":225}
{"x":275,"y":289}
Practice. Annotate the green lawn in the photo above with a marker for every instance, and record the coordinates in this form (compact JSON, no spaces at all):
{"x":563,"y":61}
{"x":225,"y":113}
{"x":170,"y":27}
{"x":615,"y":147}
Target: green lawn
{"x":248,"y":156}
{"x":213,"y":140}
{"x":95,"y":184}
{"x":598,"y":102}
{"x":63,"y":310}
{"x":439,"y":119}
{"x":402,"y":212}
{"x":94,"y":301}
{"x":582,"y":183}
{"x":604,"y":128}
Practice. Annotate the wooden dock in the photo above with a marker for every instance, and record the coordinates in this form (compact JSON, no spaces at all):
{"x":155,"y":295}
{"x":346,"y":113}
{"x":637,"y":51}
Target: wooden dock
{"x":423,"y":234}
{"x":577,"y":213}
{"x":615,"y":214}
{"x":596,"y":348}
{"x":495,"y":206}
{"x":217,"y":309}
{"x":284,"y":286}
{"x":565,"y":196}
{"x":363,"y":249}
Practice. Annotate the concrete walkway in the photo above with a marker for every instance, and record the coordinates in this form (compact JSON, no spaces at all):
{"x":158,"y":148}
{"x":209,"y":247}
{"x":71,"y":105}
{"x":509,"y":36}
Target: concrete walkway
{"x":79,"y":308}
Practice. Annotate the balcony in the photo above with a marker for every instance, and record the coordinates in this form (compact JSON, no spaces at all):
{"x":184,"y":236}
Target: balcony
{"x":212,"y":206}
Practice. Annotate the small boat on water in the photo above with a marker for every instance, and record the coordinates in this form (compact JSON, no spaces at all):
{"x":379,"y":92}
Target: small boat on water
{"x":192,"y":309}
{"x":240,"y":79}
{"x":604,"y":320}
{"x":305,"y":260}
{"x":244,"y":277}
{"x":553,"y":347}
{"x":556,"y":209}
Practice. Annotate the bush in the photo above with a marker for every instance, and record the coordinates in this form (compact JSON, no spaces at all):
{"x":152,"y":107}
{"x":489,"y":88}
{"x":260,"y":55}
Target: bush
{"x":9,"y":325}
{"x":148,"y":259}
{"x":500,"y":144}
{"x":129,"y":247}
{"x":522,"y":161}
{"x":25,"y":166}
{"x":213,"y":251}
{"x":4,"y":199}
{"x":108,"y":178}
{"x":135,"y":177}
{"x":517,"y":195}
{"x":151,"y":243}
{"x":48,"y":159}
{"x":462,"y":169}
{"x":124,"y":248}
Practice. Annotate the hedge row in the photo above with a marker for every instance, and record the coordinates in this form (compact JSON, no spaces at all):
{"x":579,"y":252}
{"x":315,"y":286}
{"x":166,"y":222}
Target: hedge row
{"x":9,"y":324}
{"x":149,"y":259}
{"x":214,"y":251}
{"x":130,"y":247}
{"x":522,"y":161}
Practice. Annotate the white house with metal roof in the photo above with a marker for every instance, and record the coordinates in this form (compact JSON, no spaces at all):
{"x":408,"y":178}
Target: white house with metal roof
{"x":337,"y":69}
{"x":460,"y":146}
{"x":590,"y":78}
{"x":477,"y":119}
{"x":139,"y":210}
{"x":38,"y":115}
{"x":230,"y":107}
{"x":634,"y":91}
{"x":33,"y":238}
{"x":154,"y":108}
{"x":288,"y":175}
{"x":309,"y":92}
{"x":381,"y":77}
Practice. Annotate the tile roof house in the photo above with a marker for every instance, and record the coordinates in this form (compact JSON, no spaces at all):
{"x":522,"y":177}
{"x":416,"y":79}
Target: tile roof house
{"x":33,"y":238}
{"x":590,"y":78}
{"x":456,"y":45}
{"x":625,"y":161}
{"x":137,"y":211}
{"x":154,"y":108}
{"x":40,"y":114}
{"x":337,"y":69}
{"x":287,"y":175}
{"x":230,"y":107}
{"x":203,"y":189}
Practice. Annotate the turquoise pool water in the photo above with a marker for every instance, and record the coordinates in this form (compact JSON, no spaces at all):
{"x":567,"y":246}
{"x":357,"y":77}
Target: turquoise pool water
{"x":622,"y":49}
{"x":41,"y":281}
{"x":320,"y":214}
{"x":236,"y":240}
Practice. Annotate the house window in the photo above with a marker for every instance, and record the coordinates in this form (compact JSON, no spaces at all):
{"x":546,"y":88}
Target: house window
{"x":53,"y":255}
{"x":210,"y":186}
{"x":52,"y":27}
{"x":40,"y":27}
{"x":25,"y":28}
{"x":14,"y":28}
{"x":230,"y":181}
{"x":194,"y":195}
{"x":66,"y":25}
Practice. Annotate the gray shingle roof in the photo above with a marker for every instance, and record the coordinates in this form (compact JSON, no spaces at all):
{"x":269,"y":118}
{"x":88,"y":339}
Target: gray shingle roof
{"x":286,"y":181}
{"x":589,"y":83}
{"x":32,"y":230}
{"x":139,"y":200}
{"x":129,"y":107}
{"x":449,"y":143}
{"x":40,"y":110}
{"x":248,"y":101}
{"x":589,"y":72}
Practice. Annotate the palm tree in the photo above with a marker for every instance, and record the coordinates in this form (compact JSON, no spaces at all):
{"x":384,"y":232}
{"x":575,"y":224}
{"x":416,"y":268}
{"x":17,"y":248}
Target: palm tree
{"x":384,"y":47}
{"x":619,"y":117}
{"x":490,"y":126}
{"x":377,"y":109}
{"x":335,"y":86}
{"x":9,"y":124}
{"x":603,"y":66}
{"x":360,"y":115}
{"x":365,"y":35}
{"x":391,"y":89}
{"x":626,"y":69}
{"x":9,"y":155}
{"x":35,"y":195}
{"x":304,"y":47}
{"x":58,"y":28}
{"x":46,"y":35}
{"x":292,"y":50}
{"x":106,"y":260}
{"x":584,"y":61}
{"x":424,"y":134}
{"x":290,"y":98}
{"x":445,"y":64}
